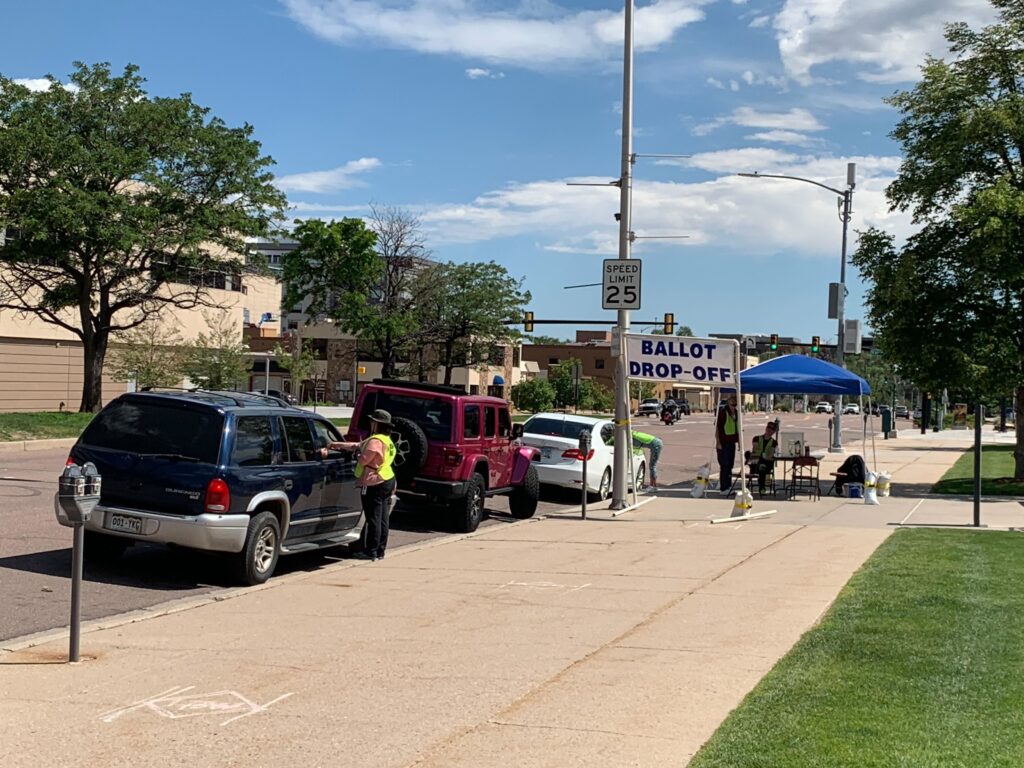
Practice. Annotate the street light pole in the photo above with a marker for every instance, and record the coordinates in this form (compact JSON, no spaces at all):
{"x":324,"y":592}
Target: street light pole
{"x":623,"y":451}
{"x":846,"y":205}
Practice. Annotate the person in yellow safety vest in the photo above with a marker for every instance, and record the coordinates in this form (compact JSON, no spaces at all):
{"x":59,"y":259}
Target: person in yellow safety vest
{"x":762,"y":458}
{"x":726,"y":438}
{"x":375,"y":477}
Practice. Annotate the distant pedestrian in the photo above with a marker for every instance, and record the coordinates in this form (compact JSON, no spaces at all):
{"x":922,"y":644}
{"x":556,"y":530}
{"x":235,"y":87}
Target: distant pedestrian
{"x":375,"y":477}
{"x":726,"y":438}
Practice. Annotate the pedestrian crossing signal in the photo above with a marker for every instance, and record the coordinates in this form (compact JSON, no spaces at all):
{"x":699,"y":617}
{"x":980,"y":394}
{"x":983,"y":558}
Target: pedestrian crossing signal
{"x":528,"y":322}
{"x":774,"y":342}
{"x":670,"y":323}
{"x":815,"y":344}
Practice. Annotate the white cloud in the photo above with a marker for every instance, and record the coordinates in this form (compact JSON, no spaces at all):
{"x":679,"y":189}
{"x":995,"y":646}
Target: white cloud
{"x":319,"y":182}
{"x":796,"y":119}
{"x":733,"y":85}
{"x":476,"y":73}
{"x":532,"y":35}
{"x":760,"y":21}
{"x":885,"y":39}
{"x":756,"y":78}
{"x":716,"y":83}
{"x":783,"y":137}
{"x":42,"y":84}
{"x":757,"y":217}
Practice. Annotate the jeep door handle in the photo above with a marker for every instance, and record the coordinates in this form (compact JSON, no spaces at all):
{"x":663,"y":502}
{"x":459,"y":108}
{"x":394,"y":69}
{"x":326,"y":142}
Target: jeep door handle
{"x":287,"y":485}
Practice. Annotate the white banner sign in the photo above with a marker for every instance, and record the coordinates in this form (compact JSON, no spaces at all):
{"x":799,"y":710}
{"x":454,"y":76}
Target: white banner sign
{"x":679,"y":359}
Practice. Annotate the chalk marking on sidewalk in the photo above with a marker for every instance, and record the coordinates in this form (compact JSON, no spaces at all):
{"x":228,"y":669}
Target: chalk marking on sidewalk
{"x":175,"y":705}
{"x":916,"y":506}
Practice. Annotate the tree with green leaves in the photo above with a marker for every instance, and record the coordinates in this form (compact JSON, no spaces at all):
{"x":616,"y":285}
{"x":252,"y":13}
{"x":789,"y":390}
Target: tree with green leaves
{"x":364,"y":276}
{"x":297,"y":358}
{"x":533,"y":395}
{"x":464,"y":308}
{"x":541,"y":339}
{"x":685,"y":330}
{"x":119,"y":205}
{"x":150,"y":354}
{"x":218,"y":359}
{"x":950,"y":301}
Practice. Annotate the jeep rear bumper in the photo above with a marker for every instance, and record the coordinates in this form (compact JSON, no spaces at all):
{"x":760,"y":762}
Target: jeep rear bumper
{"x":442,"y":489}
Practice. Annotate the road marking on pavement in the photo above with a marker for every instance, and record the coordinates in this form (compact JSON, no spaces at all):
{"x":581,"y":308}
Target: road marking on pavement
{"x":175,"y":705}
{"x":916,"y":506}
{"x":544,"y":585}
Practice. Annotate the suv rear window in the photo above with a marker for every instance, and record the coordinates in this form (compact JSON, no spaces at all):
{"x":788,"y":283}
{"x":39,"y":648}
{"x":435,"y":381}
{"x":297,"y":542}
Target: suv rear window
{"x":555,"y":427}
{"x":432,"y":415}
{"x":139,"y":427}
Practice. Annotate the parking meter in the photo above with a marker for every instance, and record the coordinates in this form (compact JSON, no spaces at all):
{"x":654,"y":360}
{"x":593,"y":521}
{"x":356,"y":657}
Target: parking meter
{"x":78,"y":493}
{"x":584,"y":453}
{"x":886,"y":422}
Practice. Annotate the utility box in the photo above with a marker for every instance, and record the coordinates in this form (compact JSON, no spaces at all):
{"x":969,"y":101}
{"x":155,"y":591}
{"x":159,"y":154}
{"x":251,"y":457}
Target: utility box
{"x":851,"y":337}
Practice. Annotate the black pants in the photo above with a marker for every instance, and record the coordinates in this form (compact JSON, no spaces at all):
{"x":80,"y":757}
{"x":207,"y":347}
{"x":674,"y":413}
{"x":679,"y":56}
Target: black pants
{"x":726,"y":461}
{"x":763,"y":468}
{"x":375,"y":508}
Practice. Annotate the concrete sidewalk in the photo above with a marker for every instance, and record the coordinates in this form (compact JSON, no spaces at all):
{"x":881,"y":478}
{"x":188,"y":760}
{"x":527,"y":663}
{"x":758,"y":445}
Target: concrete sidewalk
{"x":556,"y":642}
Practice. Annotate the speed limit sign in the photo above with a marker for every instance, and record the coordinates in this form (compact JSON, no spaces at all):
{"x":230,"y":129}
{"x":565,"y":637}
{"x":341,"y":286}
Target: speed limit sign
{"x":621,"y":284}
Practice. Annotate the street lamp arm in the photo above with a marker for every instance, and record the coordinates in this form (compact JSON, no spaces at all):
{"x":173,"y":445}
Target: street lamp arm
{"x":839,"y":192}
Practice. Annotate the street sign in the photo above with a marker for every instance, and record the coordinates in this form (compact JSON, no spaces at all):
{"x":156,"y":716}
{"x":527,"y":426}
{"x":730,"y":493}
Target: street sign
{"x":620,"y":284}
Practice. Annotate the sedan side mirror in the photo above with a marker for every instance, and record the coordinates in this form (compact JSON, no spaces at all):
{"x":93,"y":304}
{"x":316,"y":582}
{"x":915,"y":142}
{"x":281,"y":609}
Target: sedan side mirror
{"x":517,"y":431}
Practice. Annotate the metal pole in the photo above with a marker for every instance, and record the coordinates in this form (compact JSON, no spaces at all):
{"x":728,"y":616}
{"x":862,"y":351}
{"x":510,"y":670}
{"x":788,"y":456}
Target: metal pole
{"x":737,"y":367}
{"x":979,"y":415}
{"x":266,"y":374}
{"x":78,"y":543}
{"x":623,"y":449}
{"x":851,"y":177}
{"x":583,"y":506}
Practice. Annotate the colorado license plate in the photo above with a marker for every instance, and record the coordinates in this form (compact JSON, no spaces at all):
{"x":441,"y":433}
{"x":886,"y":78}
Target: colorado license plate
{"x":125,"y":523}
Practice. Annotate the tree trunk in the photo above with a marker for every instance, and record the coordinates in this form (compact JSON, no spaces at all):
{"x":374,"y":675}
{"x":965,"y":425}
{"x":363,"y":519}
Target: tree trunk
{"x":94,"y":352}
{"x":449,"y":352}
{"x":1018,"y":451}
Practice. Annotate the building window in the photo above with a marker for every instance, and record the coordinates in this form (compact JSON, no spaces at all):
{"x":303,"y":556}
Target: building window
{"x":599,"y":363}
{"x":552,"y":361}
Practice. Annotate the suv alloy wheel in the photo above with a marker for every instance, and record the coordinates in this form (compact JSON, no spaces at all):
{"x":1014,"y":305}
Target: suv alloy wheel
{"x":469,"y":510}
{"x":258,"y":557}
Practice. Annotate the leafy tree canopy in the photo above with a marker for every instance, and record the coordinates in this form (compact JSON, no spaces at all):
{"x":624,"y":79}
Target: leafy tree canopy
{"x":118,"y":205}
{"x":950,"y":301}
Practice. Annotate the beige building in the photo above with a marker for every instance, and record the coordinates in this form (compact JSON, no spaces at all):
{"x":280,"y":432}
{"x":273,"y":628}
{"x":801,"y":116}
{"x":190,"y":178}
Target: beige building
{"x":42,"y":366}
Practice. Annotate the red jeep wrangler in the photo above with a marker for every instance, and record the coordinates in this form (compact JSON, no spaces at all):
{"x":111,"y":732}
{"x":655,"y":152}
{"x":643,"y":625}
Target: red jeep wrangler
{"x":452,"y":447}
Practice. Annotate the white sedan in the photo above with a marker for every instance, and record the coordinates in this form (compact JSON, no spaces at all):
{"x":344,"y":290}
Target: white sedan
{"x":557,"y":435}
{"x":851,"y":409}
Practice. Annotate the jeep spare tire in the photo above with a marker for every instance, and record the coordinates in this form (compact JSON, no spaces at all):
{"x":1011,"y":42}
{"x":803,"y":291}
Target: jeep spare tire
{"x":410,"y":449}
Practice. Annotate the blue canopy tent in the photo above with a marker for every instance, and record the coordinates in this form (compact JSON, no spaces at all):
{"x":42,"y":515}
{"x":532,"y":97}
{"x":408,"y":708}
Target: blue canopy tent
{"x":800,"y":375}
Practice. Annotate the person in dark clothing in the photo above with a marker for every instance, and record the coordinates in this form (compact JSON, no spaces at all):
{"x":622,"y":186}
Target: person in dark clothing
{"x":726,"y":438}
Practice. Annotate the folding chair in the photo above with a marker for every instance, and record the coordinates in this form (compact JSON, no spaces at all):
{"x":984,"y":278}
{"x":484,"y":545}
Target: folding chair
{"x":805,"y":477}
{"x":751,"y":469}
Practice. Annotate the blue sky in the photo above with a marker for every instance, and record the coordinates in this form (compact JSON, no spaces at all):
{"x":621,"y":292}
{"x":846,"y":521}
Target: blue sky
{"x":473,"y":114}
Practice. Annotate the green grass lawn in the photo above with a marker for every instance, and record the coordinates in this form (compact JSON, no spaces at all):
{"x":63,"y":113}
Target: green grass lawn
{"x":39,"y":426}
{"x":919,"y":664}
{"x":996,"y":474}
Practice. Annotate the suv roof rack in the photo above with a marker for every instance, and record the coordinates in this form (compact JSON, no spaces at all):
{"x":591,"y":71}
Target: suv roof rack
{"x":240,"y":399}
{"x":443,"y":389}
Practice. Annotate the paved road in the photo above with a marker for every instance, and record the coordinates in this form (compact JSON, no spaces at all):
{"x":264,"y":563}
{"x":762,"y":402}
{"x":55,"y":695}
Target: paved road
{"x":35,"y":554}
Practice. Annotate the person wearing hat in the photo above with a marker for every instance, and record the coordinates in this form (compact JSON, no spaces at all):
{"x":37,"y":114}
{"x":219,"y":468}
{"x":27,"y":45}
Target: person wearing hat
{"x":375,"y":477}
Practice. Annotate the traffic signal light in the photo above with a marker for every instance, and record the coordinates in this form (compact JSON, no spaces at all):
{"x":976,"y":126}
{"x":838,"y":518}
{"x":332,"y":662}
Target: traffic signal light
{"x":670,"y":323}
{"x":815,"y":344}
{"x":773,"y":342}
{"x":528,"y":323}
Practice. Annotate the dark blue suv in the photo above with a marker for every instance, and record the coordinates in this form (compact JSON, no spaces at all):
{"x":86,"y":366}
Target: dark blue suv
{"x":228,"y":472}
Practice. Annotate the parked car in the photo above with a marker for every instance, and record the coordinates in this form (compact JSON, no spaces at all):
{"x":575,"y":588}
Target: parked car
{"x":682,"y":406}
{"x":917,"y":414}
{"x":823,"y":407}
{"x":851,"y":409}
{"x":649,"y":407}
{"x":285,"y":397}
{"x":225,"y":472}
{"x":556,"y":436}
{"x":901,"y":412}
{"x":452,"y":448}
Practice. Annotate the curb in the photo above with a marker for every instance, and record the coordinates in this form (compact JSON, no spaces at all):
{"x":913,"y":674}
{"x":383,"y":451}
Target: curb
{"x":182,"y":604}
{"x":18,"y":446}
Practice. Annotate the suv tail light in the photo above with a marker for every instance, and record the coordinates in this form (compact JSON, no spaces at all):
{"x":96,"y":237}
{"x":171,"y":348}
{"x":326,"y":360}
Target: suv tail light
{"x":452,"y":457}
{"x":574,"y":453}
{"x":218,"y":497}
